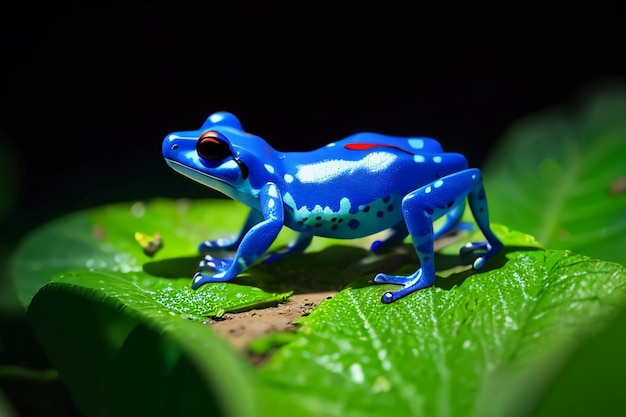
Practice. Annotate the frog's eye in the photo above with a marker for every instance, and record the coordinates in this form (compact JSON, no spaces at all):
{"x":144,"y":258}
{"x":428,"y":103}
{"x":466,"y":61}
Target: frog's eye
{"x":211,"y":148}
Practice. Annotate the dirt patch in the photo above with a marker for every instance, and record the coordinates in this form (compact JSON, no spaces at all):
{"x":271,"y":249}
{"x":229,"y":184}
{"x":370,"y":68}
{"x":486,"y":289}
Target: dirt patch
{"x":239,"y":329}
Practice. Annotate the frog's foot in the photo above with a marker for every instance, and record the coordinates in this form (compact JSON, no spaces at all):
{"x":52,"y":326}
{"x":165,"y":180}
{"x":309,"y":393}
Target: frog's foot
{"x":484,"y":250}
{"x":410,"y":284}
{"x":216,"y":264}
{"x":221,"y":271}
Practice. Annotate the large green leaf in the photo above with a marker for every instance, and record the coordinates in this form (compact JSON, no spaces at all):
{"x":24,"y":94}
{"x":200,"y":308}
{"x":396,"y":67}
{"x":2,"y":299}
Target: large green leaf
{"x":97,"y":249}
{"x":111,"y":319}
{"x":123,"y":329}
{"x":117,"y":360}
{"x":561,"y":176}
{"x":486,"y":346}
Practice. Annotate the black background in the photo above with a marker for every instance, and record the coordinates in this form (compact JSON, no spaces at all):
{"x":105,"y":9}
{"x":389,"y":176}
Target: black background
{"x":88,"y":93}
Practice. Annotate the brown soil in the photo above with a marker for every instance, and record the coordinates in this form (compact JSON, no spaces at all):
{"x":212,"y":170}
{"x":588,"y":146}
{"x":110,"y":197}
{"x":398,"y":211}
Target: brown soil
{"x":241,"y":328}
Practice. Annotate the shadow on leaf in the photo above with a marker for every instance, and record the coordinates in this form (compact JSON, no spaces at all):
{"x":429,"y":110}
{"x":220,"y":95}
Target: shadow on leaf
{"x":333,"y":268}
{"x":330,"y":269}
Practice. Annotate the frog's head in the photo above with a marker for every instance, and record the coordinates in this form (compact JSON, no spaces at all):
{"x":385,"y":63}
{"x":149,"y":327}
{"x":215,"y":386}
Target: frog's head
{"x":219,"y":155}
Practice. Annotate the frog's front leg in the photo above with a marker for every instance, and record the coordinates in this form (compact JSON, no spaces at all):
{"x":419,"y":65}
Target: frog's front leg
{"x":254,"y":243}
{"x":428,"y":203}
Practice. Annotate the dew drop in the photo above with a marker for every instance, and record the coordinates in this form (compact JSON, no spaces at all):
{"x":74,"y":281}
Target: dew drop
{"x":357,"y":373}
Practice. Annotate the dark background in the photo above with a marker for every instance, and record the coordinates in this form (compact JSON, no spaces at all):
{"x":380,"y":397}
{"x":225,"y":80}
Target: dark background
{"x":88,"y":93}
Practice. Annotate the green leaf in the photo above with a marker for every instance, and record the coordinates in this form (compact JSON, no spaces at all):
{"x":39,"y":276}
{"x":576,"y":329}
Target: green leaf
{"x":478,"y":348}
{"x":590,"y":383}
{"x":97,"y":249}
{"x":561,"y":176}
{"x":5,"y":407}
{"x":113,"y":318}
{"x":158,"y":296}
{"x":116,"y":360}
{"x":109,"y":317}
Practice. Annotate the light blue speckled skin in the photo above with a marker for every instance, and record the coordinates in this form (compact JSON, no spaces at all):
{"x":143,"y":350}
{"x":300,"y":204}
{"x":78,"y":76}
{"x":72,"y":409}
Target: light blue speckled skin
{"x":355,"y":187}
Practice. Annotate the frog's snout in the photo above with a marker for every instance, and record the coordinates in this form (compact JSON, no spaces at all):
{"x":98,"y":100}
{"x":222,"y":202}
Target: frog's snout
{"x":175,"y":143}
{"x":169,"y":147}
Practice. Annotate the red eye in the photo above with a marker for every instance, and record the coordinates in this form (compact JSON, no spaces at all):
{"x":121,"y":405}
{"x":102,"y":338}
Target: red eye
{"x":211,"y":148}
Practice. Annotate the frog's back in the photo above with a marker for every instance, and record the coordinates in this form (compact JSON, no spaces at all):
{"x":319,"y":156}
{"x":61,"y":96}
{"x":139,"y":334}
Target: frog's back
{"x":354,"y":187}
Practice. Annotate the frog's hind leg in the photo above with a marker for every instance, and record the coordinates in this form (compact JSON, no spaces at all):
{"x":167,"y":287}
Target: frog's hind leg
{"x":477,"y":199}
{"x":421,"y":208}
{"x":420,"y":225}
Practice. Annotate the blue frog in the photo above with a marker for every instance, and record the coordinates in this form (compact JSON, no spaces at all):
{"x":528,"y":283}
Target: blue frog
{"x":358,"y":186}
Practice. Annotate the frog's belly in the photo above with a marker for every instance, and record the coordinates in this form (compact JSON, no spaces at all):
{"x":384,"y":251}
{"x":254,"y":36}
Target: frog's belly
{"x":350,"y":223}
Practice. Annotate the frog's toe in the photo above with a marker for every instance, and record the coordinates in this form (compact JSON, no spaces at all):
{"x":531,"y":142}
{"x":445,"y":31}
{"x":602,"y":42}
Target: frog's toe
{"x":388,"y":297}
{"x":204,"y":246}
{"x":410,"y":284}
{"x":216,"y":264}
{"x":206,"y":264}
{"x":200,"y":279}
{"x":479,"y":262}
{"x":391,"y":296}
{"x":483,"y":250}
{"x":474,"y":253}
{"x":474,"y":248}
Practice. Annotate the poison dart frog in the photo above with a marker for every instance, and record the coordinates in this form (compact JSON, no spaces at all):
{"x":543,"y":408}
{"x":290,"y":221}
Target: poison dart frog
{"x":355,"y":187}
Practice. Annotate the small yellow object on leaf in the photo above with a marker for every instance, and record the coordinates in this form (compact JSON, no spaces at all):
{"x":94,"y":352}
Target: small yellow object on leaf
{"x":149,"y":244}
